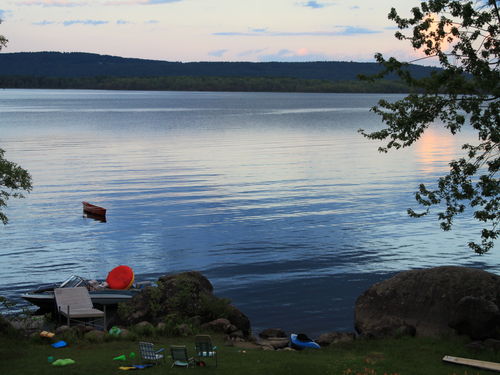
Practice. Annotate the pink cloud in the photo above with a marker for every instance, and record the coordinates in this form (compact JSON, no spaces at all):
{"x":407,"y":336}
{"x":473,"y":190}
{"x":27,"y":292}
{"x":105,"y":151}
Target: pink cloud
{"x":302,"y":52}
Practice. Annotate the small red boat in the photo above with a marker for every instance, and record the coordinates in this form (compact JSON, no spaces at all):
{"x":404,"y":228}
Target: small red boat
{"x":94,"y":210}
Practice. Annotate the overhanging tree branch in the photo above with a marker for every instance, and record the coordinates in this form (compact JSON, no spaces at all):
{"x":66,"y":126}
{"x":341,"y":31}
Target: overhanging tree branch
{"x":465,"y":92}
{"x":13,"y":179}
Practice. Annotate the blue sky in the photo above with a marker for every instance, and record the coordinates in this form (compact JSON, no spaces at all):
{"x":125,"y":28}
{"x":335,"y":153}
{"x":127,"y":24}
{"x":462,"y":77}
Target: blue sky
{"x":207,"y":30}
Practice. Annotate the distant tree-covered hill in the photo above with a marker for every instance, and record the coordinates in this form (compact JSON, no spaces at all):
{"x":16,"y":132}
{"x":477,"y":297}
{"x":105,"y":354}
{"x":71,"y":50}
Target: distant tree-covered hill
{"x":77,"y":65}
{"x":189,"y":83}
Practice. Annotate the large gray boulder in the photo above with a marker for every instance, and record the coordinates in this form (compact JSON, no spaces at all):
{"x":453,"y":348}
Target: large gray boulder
{"x":330,"y":338}
{"x":431,"y":302}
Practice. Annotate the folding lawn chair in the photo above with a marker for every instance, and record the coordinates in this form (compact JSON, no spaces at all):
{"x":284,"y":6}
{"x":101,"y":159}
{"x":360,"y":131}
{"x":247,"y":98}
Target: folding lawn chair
{"x":149,"y":354}
{"x":180,"y":356}
{"x":205,"y":348}
{"x":75,"y":304}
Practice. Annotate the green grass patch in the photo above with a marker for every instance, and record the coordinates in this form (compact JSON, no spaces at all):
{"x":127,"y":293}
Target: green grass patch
{"x":403,"y":356}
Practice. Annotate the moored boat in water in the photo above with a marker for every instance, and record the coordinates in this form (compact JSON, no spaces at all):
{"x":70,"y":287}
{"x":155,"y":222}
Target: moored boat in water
{"x":93,"y":209}
{"x":43,"y":297}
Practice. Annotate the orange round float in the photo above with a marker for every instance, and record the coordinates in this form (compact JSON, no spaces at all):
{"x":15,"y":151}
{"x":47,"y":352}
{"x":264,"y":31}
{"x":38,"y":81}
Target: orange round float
{"x":121,"y":277}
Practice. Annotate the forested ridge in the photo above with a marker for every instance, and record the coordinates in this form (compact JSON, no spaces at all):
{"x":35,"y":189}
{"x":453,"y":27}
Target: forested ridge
{"x":91,"y":71}
{"x":182,"y":83}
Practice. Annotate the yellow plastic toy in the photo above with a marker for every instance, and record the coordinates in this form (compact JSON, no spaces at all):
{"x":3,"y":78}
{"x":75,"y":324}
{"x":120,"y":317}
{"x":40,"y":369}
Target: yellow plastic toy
{"x":47,"y":334}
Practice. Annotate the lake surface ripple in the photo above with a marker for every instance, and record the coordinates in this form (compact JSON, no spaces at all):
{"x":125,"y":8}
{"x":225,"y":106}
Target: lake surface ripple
{"x":275,"y":197}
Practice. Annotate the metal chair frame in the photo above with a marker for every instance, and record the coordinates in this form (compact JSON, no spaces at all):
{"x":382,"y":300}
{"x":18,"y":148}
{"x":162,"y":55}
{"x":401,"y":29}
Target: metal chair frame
{"x":76,"y":305}
{"x":149,"y":354}
{"x":204,"y":348}
{"x":180,"y":356}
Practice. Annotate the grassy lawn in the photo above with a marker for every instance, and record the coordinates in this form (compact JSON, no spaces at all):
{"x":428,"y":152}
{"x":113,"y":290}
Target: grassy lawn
{"x":404,"y":356}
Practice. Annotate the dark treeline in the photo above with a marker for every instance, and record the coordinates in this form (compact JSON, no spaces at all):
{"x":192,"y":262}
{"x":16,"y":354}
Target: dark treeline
{"x":232,"y":84}
{"x":78,"y":64}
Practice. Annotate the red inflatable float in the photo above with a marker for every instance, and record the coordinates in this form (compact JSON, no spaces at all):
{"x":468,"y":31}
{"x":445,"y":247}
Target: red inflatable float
{"x":121,"y":277}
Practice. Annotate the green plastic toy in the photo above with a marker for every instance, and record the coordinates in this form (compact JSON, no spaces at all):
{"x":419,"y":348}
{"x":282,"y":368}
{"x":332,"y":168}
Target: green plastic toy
{"x":120,"y":358}
{"x":63,"y":362}
{"x":115,"y":331}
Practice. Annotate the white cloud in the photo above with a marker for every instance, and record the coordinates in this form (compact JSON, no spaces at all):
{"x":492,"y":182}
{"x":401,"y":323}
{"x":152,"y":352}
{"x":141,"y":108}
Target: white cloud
{"x":314,"y":4}
{"x":44,"y":23}
{"x":218,"y":53}
{"x":259,"y":30}
{"x":53,"y":3}
{"x":299,"y":55}
{"x":140,"y":2}
{"x":251,"y":52}
{"x":339,"y":31}
{"x":85,"y":22}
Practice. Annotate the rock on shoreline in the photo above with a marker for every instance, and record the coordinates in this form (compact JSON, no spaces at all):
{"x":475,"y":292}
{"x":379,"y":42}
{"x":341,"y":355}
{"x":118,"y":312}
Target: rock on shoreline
{"x":429,"y":302}
{"x":184,"y":299}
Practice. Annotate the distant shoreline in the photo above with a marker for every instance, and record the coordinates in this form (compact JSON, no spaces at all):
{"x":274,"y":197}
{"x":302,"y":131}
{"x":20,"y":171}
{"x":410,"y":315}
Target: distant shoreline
{"x":191,"y":83}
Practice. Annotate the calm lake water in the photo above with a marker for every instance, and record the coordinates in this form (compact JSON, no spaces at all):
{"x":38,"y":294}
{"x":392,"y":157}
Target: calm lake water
{"x":275,"y":197}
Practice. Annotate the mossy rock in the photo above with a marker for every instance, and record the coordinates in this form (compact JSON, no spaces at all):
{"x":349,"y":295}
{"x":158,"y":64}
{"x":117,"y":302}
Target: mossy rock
{"x":71,"y":335}
{"x":62,"y":329}
{"x":183,"y":298}
{"x":144,"y":329}
{"x":95,"y":336}
{"x":127,"y":335}
{"x":183,"y":330}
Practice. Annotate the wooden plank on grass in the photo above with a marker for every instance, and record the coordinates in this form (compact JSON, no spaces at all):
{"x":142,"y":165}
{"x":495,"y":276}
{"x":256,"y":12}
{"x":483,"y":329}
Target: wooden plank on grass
{"x":473,"y":363}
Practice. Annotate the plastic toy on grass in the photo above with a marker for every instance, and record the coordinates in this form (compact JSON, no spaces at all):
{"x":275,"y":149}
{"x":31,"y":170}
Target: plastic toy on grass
{"x":301,"y":341}
{"x":115,"y":331}
{"x":47,"y":334}
{"x":142,"y":367}
{"x":63,"y":362}
{"x":134,"y":367}
{"x":59,"y":344}
{"x":122,"y":357}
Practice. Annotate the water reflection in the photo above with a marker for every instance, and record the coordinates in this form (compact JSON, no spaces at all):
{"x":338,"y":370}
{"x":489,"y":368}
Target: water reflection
{"x":435,"y":149}
{"x":95,"y":217}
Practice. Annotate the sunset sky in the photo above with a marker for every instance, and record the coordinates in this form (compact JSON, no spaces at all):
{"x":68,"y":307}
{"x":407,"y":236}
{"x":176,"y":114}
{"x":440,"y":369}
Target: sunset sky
{"x":208,"y":30}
